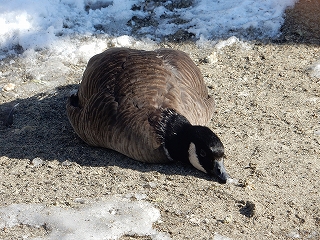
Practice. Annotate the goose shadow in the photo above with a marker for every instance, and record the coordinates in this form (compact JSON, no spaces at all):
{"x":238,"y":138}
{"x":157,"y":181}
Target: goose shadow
{"x":38,"y":127}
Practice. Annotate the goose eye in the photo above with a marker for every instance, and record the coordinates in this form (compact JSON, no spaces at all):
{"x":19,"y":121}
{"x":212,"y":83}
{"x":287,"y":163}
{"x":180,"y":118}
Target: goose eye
{"x":203,"y":153}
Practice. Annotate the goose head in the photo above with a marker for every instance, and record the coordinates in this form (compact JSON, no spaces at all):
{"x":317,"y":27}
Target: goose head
{"x":190,"y":143}
{"x":206,"y":152}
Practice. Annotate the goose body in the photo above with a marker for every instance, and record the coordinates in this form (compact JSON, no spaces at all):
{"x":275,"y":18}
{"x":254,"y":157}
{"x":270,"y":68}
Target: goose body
{"x":144,"y":104}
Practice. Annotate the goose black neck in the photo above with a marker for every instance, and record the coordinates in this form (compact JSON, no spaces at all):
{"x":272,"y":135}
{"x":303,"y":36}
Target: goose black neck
{"x":175,"y":135}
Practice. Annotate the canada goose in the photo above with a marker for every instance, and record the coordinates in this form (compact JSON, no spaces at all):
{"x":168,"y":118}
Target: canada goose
{"x":148,"y":105}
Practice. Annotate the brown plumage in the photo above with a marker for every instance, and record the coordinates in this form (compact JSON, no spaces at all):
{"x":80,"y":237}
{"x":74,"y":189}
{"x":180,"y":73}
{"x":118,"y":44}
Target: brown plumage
{"x":125,"y":93}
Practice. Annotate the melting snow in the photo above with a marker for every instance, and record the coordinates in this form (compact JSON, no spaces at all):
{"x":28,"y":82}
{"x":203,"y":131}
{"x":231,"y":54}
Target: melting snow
{"x":108,"y":219}
{"x":48,"y":23}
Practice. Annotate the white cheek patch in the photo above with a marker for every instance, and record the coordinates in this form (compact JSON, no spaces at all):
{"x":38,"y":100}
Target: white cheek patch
{"x":193,"y":158}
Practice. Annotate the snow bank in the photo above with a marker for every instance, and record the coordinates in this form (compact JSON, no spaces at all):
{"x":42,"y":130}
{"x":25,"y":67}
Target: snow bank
{"x":29,"y":24}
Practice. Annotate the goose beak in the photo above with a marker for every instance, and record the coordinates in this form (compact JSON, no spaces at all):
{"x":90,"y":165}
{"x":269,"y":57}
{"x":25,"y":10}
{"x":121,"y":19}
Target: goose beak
{"x":219,"y":171}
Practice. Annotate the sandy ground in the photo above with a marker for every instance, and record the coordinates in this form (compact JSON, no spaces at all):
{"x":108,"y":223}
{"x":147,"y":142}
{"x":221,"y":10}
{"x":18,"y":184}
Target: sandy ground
{"x":267,"y":115}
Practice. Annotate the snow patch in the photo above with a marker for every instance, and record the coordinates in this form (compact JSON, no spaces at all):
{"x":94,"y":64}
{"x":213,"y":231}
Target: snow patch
{"x":26,"y":25}
{"x":109,"y":219}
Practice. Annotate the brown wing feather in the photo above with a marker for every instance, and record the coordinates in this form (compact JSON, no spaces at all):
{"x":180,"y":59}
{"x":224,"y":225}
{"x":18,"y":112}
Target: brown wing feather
{"x":121,"y":88}
{"x":194,"y":102}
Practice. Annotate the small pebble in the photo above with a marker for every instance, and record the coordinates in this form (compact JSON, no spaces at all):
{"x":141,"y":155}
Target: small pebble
{"x":37,"y":162}
{"x":66,"y":163}
{"x":195,"y":220}
{"x":206,"y":221}
{"x":150,"y":185}
{"x":293,"y":234}
{"x":9,"y":87}
{"x":232,"y":181}
{"x":228,"y":219}
{"x":247,"y":184}
{"x":80,"y":200}
{"x":212,"y":58}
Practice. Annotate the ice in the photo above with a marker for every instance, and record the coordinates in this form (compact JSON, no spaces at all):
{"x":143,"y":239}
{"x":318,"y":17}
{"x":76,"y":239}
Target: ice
{"x":230,"y":41}
{"x":109,"y":219}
